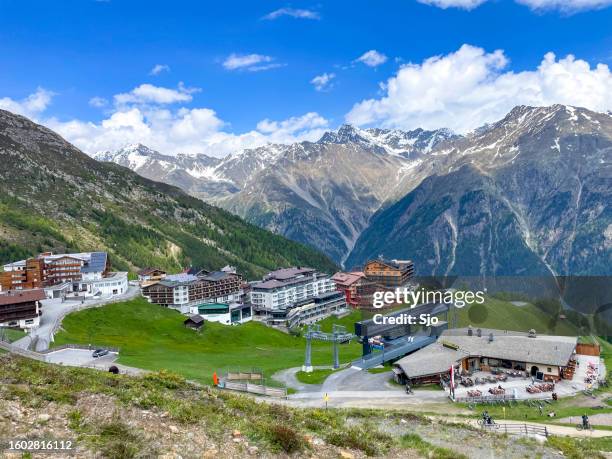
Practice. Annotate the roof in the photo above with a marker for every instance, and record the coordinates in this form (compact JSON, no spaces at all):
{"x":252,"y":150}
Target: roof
{"x":149,"y":270}
{"x":196,"y":319}
{"x":348,"y":278}
{"x":285,"y":277}
{"x":506,"y":345}
{"x":195,"y":270}
{"x":96,"y":263}
{"x":288,"y":273}
{"x":172,"y":279}
{"x":512,"y":345}
{"x":430,"y":360}
{"x":21,"y":296}
{"x":395,"y":264}
{"x":217,"y":276}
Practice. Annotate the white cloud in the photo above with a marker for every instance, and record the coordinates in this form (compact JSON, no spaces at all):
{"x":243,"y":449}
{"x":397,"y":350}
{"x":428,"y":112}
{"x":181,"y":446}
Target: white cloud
{"x":250,"y":62}
{"x":372,"y":58}
{"x":566,"y":6}
{"x":169,"y":130}
{"x":31,"y":106}
{"x":310,"y":126}
{"x":323,"y":82}
{"x":292,"y":12}
{"x":159,"y":68}
{"x":98,"y":102}
{"x":191,"y":131}
{"x":150,"y":94}
{"x":465,"y":4}
{"x":467,"y":88}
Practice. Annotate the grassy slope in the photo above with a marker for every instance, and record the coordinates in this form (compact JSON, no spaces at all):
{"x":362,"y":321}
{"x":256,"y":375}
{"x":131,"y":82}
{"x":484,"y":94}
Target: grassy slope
{"x":54,"y":197}
{"x":504,"y":315}
{"x":154,"y":338}
{"x":498,"y":314}
{"x":12,"y":335}
{"x":105,"y":414}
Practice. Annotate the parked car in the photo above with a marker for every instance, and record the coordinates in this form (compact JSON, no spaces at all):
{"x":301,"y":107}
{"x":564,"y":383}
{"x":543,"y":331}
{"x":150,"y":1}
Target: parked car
{"x":99,"y":353}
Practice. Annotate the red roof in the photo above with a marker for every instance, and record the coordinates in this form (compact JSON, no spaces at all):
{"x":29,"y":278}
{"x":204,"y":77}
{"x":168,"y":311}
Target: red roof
{"x":348,"y":278}
{"x":21,"y":296}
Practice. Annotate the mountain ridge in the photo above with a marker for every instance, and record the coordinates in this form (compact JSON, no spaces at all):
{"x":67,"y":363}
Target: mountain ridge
{"x":327,"y":193}
{"x":54,"y":197}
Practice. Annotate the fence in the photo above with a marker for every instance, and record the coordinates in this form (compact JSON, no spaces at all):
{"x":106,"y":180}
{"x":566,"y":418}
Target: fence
{"x":587,"y":349}
{"x":503,"y":398}
{"x":517,"y":429}
{"x":254,"y":388}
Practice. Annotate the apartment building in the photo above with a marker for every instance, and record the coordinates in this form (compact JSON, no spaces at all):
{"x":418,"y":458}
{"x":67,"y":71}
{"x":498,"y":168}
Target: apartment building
{"x":21,"y":308}
{"x":292,"y":296}
{"x":183,"y":291}
{"x":87,"y":274}
{"x":348,"y":283}
{"x":389,"y":274}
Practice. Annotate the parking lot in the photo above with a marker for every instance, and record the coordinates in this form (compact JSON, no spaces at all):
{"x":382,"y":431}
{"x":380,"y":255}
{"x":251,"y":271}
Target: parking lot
{"x":79,"y":357}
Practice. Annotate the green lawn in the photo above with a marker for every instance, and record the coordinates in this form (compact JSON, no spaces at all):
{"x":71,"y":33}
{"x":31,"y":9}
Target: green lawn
{"x":494,"y":313}
{"x":12,"y":335}
{"x":503,"y":315}
{"x":153,"y":337}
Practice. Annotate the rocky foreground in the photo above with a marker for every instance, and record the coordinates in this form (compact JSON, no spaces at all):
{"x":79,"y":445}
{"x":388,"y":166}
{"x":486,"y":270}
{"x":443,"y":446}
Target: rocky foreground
{"x":162,"y":415}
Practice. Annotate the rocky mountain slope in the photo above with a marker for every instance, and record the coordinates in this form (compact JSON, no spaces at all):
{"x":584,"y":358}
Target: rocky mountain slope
{"x":319,"y":193}
{"x":527,"y":195}
{"x":536,"y":183}
{"x":54,"y":197}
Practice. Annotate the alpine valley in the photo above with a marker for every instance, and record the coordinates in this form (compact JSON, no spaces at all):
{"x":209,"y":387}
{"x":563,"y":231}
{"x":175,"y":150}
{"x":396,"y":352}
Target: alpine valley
{"x":529,"y":194}
{"x":55,"y":197}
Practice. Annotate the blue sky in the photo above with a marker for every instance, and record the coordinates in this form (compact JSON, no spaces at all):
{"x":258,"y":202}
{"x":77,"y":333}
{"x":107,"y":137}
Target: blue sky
{"x":76,"y":50}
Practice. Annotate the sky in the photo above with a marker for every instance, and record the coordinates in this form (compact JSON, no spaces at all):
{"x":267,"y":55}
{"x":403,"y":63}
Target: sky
{"x":216,"y":77}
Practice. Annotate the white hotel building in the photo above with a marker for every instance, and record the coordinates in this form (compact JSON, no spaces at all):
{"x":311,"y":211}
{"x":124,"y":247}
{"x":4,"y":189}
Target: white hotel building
{"x":283,"y":288}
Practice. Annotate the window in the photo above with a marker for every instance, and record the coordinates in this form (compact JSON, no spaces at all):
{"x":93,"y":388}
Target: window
{"x":549,"y":370}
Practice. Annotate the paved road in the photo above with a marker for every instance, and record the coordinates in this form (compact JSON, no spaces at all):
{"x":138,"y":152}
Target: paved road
{"x":354,"y":379}
{"x":84,"y":358}
{"x":55,"y":310}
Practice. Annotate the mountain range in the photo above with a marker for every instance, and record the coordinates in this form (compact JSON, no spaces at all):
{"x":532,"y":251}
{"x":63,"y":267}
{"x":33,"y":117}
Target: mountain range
{"x":55,"y":197}
{"x":528,"y":194}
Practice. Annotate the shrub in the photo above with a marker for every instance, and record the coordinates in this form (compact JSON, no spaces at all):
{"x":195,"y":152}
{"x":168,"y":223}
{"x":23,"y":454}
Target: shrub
{"x":286,"y":437}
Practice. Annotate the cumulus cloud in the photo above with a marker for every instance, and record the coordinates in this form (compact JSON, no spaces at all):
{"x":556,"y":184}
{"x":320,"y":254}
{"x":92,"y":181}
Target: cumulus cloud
{"x":292,"y":12}
{"x":566,"y":6}
{"x":372,"y":58}
{"x":323,"y":82}
{"x":98,"y":102}
{"x":465,"y":4}
{"x":31,"y":106}
{"x":467,"y":88}
{"x":150,"y":94}
{"x":191,"y":131}
{"x":250,"y":62}
{"x":310,"y":126}
{"x":147,"y":117}
{"x":159,"y":68}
